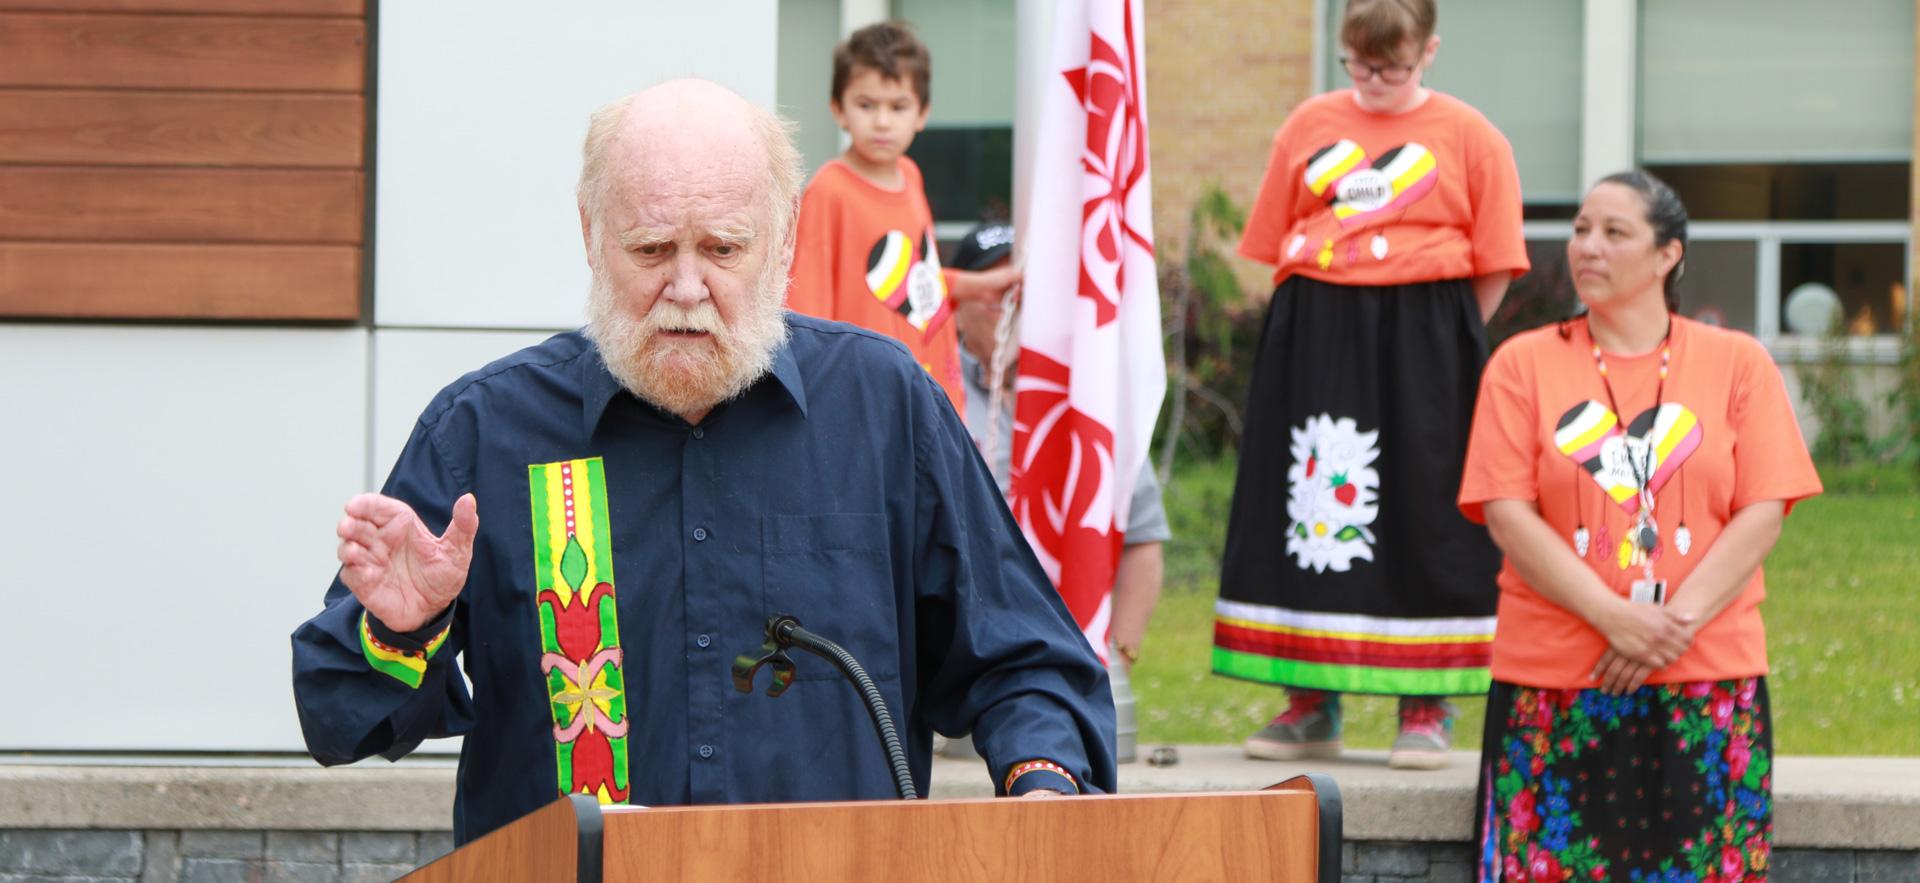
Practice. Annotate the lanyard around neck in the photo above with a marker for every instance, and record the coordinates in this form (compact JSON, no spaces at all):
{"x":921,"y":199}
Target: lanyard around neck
{"x":1645,"y":535}
{"x":1642,"y":471}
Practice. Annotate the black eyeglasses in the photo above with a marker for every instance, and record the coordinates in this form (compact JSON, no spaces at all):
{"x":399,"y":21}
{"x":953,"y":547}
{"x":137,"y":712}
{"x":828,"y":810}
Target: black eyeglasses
{"x":1391,"y":74}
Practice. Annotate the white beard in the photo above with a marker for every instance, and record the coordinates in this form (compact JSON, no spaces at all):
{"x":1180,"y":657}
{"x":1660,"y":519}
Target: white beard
{"x":687,"y":377}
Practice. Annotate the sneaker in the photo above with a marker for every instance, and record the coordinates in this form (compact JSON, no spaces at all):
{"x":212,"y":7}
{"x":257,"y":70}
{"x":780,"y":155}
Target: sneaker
{"x":1309,"y":728}
{"x":1426,"y":735}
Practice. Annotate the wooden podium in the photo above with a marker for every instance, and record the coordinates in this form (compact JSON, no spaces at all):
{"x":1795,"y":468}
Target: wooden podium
{"x":1289,"y":833}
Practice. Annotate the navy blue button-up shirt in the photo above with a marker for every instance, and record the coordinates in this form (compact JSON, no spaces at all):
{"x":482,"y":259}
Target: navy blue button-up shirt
{"x":841,"y":489}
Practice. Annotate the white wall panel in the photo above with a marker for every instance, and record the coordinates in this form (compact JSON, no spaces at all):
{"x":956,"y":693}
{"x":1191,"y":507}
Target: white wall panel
{"x":410,"y":367}
{"x":808,"y":31}
{"x":482,"y":106}
{"x":168,"y":515}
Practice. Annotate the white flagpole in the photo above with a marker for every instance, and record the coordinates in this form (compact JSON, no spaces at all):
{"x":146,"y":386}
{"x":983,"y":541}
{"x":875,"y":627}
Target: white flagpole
{"x":1033,"y":38}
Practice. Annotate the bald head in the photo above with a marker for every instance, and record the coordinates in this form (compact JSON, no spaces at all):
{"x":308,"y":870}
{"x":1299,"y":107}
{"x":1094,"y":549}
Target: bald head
{"x":688,"y":130}
{"x":687,"y":201}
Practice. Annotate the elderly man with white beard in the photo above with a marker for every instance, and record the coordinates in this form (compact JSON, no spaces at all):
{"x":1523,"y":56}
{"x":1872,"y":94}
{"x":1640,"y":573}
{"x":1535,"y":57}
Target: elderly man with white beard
{"x":599,"y":523}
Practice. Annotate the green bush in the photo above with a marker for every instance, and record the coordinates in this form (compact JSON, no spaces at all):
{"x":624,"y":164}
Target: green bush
{"x":1211,"y":329}
{"x":1901,"y":447}
{"x":1870,"y":478}
{"x":1827,"y":387}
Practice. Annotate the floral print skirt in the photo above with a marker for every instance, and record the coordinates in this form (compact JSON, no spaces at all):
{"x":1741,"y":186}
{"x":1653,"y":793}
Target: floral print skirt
{"x":1672,"y":782}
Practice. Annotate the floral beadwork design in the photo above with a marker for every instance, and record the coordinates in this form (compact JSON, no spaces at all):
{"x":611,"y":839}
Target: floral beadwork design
{"x":1334,"y":494}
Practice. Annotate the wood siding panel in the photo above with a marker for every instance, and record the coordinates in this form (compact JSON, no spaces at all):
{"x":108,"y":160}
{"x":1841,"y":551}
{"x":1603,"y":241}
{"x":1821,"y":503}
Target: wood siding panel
{"x":180,"y":205}
{"x":132,"y":128}
{"x":197,"y":160}
{"x":230,"y":7}
{"x":262,"y":282}
{"x":182,"y":52}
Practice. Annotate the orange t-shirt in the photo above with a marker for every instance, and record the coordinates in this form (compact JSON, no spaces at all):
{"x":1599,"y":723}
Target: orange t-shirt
{"x":1359,"y":198}
{"x":1724,"y":437}
{"x":867,"y":256}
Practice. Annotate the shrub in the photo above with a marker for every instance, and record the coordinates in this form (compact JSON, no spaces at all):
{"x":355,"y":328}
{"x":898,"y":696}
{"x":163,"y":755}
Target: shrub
{"x":1211,"y":331}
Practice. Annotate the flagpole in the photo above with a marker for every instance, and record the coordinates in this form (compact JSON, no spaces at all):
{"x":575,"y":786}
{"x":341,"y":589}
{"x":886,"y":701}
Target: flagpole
{"x":1033,"y":38}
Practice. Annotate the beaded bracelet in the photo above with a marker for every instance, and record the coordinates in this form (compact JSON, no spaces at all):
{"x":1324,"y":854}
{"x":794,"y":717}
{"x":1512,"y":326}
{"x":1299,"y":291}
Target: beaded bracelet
{"x":1031,"y":766}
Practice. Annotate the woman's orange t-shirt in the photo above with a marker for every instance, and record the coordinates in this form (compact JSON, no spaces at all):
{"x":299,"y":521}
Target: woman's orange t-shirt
{"x":1724,"y":437}
{"x":867,"y":256}
{"x":1353,"y":197}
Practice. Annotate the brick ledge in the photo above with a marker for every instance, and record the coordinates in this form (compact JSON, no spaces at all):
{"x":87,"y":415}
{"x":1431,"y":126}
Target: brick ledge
{"x":1821,"y":802}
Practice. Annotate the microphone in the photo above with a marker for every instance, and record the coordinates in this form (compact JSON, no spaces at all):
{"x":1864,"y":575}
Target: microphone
{"x":784,"y":631}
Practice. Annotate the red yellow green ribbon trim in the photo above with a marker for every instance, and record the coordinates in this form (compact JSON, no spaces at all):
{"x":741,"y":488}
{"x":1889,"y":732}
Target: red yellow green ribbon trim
{"x":406,"y":666}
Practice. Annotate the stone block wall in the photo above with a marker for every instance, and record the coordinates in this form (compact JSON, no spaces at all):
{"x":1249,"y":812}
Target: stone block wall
{"x":1409,"y":862}
{"x":164,"y":856}
{"x":1840,"y":820}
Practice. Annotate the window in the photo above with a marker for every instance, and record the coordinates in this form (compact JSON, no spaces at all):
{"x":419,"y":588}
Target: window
{"x":808,"y":31}
{"x":1788,"y":131}
{"x":1518,"y":62}
{"x":969,"y":136}
{"x":1868,"y":278}
{"x":1732,"y":81}
{"x":1790,"y":191}
{"x":1718,"y":285}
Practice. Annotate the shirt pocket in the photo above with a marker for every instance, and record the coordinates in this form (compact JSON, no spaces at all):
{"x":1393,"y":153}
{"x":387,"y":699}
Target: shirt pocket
{"x":834,"y":574}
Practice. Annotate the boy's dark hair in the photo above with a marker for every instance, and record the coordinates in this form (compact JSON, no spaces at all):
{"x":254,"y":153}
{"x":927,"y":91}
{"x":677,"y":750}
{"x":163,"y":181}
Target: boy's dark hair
{"x":1378,"y":28}
{"x":889,"y":48}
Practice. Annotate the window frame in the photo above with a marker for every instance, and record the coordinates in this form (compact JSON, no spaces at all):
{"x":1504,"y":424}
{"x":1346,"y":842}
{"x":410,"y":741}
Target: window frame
{"x":1768,"y":237}
{"x":1610,"y":43}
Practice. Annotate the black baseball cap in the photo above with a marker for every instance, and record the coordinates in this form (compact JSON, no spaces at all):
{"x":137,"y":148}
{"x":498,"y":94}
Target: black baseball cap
{"x":984,"y":246}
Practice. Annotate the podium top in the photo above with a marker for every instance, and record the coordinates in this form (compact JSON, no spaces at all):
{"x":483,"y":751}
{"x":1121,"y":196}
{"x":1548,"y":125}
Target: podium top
{"x":1290,"y":832}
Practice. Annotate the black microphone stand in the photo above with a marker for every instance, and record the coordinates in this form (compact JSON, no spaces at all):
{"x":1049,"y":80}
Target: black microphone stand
{"x":784,"y":631}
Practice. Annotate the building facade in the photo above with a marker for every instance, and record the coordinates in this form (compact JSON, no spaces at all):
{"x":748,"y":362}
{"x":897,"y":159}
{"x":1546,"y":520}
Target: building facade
{"x":242,"y":243}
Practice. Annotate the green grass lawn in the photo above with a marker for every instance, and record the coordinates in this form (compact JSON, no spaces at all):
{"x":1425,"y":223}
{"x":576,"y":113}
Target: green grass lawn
{"x":1843,"y":623}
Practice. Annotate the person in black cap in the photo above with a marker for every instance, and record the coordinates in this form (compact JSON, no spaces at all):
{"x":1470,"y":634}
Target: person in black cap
{"x":989,"y":417}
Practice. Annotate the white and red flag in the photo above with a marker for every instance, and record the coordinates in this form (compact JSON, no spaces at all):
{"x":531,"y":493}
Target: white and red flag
{"x":1091,"y":371}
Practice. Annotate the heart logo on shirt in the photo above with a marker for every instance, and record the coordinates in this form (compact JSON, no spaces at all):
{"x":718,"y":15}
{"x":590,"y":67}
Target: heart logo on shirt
{"x":1654,"y":444}
{"x":1362,"y":188}
{"x":905,"y":275}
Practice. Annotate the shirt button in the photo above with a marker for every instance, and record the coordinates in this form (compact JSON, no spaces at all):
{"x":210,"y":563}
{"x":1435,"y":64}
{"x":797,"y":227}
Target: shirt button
{"x":706,"y":751}
{"x":699,"y":534}
{"x":703,"y":640}
{"x":699,"y":433}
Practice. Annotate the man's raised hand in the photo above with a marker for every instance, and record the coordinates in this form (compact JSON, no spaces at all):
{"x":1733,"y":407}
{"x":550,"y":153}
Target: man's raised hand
{"x":403,"y":574}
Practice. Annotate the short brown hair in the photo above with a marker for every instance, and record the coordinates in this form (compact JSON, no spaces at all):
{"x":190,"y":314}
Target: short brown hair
{"x":889,"y":48}
{"x":1378,"y":28}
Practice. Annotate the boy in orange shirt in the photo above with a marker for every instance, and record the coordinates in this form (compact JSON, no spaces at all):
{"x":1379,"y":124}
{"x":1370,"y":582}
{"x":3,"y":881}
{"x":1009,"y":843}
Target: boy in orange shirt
{"x":865,"y":251}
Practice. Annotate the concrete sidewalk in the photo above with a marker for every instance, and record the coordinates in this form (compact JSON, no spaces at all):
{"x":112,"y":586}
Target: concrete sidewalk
{"x":1825,"y":802}
{"x":1821,"y":802}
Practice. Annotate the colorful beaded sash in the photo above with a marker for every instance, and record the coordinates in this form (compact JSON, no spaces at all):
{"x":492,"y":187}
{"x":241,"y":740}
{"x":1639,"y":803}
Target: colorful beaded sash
{"x":579,"y":627}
